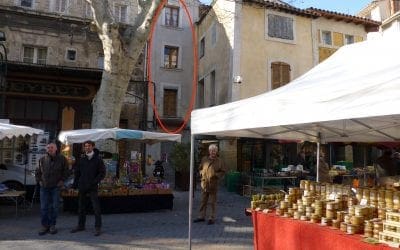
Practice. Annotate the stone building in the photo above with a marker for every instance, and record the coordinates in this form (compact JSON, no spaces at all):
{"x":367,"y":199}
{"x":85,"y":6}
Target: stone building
{"x":252,"y":46}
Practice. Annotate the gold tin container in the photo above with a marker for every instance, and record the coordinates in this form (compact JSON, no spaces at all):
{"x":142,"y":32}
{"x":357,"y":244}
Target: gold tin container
{"x":347,"y":218}
{"x":351,"y":229}
{"x":326,"y":221}
{"x":304,"y":218}
{"x":343,"y":226}
{"x":357,"y":220}
{"x":336,"y":224}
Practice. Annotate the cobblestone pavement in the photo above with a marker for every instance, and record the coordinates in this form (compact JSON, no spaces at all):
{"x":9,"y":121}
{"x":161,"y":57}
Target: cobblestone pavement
{"x":164,"y":229}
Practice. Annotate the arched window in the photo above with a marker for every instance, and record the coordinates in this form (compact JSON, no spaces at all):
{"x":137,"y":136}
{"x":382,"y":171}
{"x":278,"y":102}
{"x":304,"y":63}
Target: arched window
{"x":280,"y":74}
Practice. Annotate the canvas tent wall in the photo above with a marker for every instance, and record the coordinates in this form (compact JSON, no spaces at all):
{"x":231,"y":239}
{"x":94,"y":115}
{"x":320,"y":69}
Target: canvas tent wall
{"x":352,"y":96}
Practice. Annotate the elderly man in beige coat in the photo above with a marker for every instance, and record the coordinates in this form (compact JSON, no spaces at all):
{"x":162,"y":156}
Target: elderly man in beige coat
{"x":212,"y":169}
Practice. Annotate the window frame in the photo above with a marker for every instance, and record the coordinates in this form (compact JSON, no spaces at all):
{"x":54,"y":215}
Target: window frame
{"x":35,"y":58}
{"x":66,"y":54}
{"x":202,"y":47}
{"x":172,"y":8}
{"x":214,"y":34}
{"x":165,"y":114}
{"x":281,"y":75}
{"x":213,"y":88}
{"x":201,"y":93}
{"x":176,"y":87}
{"x":164,"y":55}
{"x":59,"y":2}
{"x":323,"y":41}
{"x":118,"y":17}
{"x":30,"y":7}
{"x":346,"y":41}
{"x":284,"y":15}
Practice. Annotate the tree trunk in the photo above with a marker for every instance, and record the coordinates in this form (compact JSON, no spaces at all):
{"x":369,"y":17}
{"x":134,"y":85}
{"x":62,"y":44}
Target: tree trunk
{"x":122,"y":47}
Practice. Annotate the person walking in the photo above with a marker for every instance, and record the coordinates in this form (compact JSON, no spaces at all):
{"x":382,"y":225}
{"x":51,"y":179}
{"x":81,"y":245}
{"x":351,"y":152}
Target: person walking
{"x":212,"y":169}
{"x":89,"y":171}
{"x":50,"y":175}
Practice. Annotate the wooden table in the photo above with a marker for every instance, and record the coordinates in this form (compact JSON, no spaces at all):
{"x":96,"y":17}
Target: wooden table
{"x":13,"y":195}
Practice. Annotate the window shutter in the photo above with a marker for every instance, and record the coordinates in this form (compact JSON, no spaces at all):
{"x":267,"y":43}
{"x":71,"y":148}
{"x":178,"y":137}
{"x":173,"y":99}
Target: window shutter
{"x":280,"y":74}
{"x":275,"y":75}
{"x":170,"y":102}
{"x":285,"y":73}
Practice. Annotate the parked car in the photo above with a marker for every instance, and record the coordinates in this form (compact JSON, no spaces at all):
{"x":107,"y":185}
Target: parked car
{"x":14,"y":178}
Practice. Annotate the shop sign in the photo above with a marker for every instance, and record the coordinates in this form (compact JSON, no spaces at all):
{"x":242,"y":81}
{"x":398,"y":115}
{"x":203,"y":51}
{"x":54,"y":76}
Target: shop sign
{"x":50,"y":89}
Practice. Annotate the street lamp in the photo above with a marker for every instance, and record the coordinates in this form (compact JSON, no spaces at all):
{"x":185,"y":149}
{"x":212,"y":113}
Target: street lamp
{"x":3,"y":73}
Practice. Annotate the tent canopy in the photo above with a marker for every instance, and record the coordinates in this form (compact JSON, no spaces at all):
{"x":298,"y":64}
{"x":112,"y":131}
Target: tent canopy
{"x":354,"y":95}
{"x":82,"y":135}
{"x":10,"y":130}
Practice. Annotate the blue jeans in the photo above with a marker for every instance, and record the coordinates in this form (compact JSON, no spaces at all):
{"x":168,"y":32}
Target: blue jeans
{"x":49,"y":202}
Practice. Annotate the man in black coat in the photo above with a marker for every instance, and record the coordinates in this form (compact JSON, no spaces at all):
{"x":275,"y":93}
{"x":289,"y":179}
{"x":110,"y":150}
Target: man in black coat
{"x":89,"y":171}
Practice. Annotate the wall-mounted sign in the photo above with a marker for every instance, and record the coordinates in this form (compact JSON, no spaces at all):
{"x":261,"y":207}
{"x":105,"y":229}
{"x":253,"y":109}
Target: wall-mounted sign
{"x":51,"y":90}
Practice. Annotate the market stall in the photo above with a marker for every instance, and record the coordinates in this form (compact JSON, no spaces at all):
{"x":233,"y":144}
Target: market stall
{"x":291,"y":234}
{"x":129,"y":191}
{"x":352,"y":96}
{"x":20,"y":149}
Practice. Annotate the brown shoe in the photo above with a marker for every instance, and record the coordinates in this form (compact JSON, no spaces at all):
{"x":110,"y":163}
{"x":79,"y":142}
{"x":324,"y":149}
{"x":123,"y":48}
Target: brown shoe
{"x":44,"y":230}
{"x":97,"y":231}
{"x":77,"y":229}
{"x":210,"y":222}
{"x":199,"y":220}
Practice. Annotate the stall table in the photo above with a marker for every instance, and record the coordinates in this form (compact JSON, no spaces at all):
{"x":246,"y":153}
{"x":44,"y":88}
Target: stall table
{"x":124,"y":203}
{"x":266,"y":181}
{"x":13,"y":196}
{"x":274,"y":232}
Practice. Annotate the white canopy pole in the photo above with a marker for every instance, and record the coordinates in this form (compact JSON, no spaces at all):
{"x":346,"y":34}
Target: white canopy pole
{"x":191,"y":189}
{"x":318,"y":144}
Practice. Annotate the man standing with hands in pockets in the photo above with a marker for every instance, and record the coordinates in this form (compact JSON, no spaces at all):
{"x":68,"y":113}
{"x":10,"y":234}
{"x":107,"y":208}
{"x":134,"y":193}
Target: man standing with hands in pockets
{"x":50,"y":175}
{"x":89,"y":171}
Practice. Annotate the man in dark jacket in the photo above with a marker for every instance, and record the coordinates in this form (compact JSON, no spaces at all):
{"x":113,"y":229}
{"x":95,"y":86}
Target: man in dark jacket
{"x":89,"y":171}
{"x":50,"y":175}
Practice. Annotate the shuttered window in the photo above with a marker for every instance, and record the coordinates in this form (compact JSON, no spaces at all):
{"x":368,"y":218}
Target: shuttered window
{"x":200,"y":94}
{"x":170,"y":102}
{"x":202,"y":47}
{"x":213,"y":90}
{"x":280,"y":74}
{"x":280,"y":27}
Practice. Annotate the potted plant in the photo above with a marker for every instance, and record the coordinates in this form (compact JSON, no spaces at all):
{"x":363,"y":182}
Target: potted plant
{"x":180,"y":160}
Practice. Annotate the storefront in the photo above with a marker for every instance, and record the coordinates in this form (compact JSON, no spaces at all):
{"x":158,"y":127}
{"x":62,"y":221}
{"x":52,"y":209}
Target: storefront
{"x":51,"y":98}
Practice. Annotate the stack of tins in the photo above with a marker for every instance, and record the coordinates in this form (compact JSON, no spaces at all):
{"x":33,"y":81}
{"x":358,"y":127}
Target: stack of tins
{"x":334,"y":205}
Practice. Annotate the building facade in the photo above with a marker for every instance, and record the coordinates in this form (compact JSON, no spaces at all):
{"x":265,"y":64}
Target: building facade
{"x":385,"y":11}
{"x":249,"y":47}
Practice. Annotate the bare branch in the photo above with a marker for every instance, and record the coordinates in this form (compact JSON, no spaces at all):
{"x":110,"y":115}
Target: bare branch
{"x":141,"y":28}
{"x":102,"y":14}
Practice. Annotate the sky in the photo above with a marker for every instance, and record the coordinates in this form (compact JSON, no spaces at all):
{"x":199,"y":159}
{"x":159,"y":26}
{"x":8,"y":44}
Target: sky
{"x":350,"y":7}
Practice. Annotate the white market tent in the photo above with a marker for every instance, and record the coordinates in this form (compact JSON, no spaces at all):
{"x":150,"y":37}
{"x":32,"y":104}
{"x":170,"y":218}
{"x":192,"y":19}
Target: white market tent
{"x":10,"y":130}
{"x":354,"y":95}
{"x":82,"y":135}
